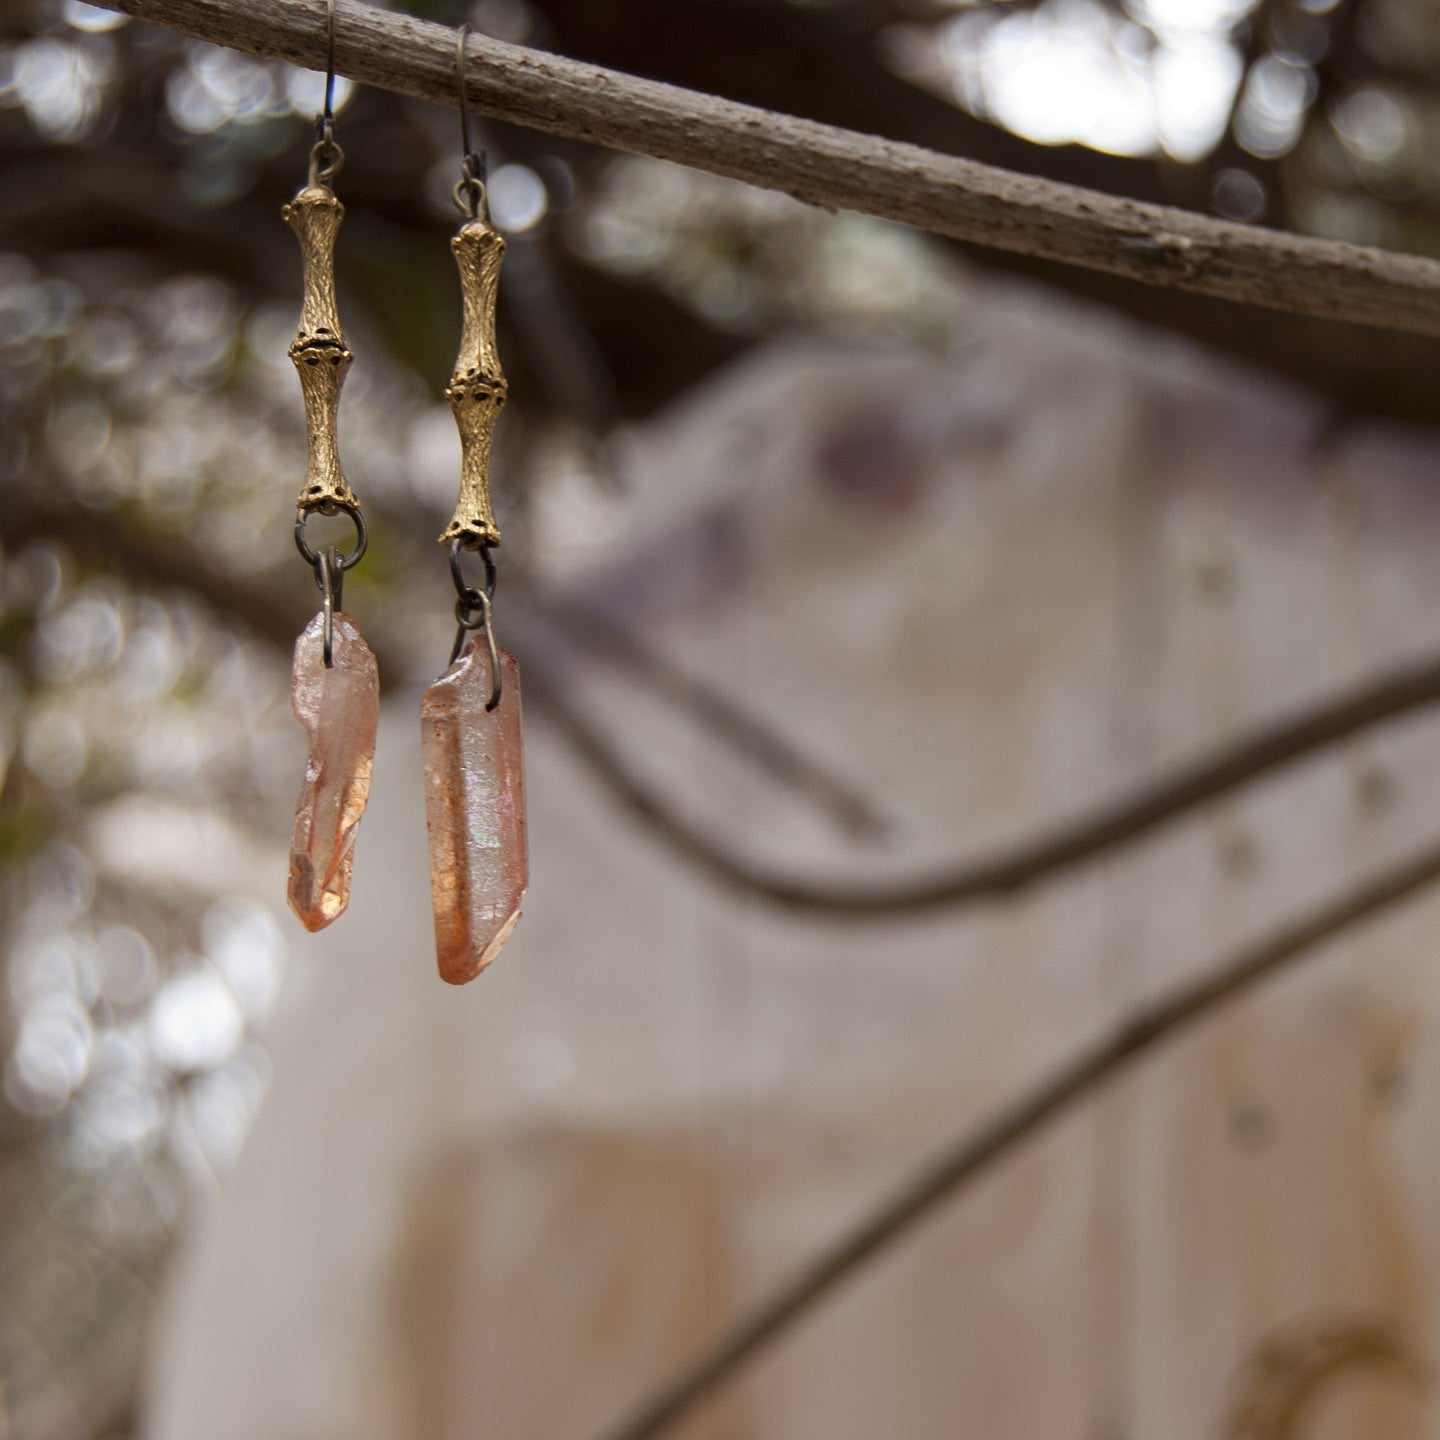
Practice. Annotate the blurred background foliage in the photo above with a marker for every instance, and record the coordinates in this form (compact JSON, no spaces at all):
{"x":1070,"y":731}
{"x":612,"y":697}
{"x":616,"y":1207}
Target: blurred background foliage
{"x":152,"y":443}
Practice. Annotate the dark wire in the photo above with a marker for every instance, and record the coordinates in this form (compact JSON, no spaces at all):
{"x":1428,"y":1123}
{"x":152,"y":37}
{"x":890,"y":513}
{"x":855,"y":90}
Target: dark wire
{"x":470,"y":189}
{"x":328,"y":115}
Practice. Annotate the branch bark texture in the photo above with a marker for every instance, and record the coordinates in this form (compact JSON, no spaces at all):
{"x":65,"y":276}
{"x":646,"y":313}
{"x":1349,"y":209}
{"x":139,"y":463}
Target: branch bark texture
{"x":831,"y":167}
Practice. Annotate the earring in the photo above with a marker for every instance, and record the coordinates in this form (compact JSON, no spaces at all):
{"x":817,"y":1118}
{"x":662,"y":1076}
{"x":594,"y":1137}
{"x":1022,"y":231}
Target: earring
{"x":470,"y":716}
{"x":335,"y":687}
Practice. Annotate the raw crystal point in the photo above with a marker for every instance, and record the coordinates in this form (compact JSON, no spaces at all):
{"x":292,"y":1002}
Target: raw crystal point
{"x":340,"y":707}
{"x":474,"y":810}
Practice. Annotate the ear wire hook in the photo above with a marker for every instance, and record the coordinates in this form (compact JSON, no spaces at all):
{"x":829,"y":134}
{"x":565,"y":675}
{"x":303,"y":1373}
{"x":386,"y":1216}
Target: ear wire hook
{"x":470,"y":194}
{"x":326,"y":157}
{"x":328,"y":116}
{"x":476,"y":614}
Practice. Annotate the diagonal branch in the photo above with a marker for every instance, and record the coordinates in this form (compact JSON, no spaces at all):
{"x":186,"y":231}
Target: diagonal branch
{"x":826,"y":166}
{"x":710,"y":707}
{"x":977,"y":1150}
{"x":1007,"y":872}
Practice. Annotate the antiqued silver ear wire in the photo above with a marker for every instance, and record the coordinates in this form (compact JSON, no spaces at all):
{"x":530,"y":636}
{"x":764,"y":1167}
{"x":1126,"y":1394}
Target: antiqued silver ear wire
{"x":471,"y":196}
{"x":326,"y":156}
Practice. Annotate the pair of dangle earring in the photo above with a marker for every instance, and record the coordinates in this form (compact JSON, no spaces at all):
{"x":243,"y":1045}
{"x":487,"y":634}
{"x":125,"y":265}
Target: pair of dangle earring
{"x":470,"y":716}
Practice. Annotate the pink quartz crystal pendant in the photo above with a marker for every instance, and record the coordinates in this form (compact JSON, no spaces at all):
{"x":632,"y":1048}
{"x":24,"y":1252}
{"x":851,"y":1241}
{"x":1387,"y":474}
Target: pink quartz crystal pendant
{"x":339,"y":706}
{"x":474,"y":810}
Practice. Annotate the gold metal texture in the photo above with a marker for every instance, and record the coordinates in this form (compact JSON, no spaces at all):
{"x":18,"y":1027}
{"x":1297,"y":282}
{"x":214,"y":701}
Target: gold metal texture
{"x":478,"y":388}
{"x":319,"y":351}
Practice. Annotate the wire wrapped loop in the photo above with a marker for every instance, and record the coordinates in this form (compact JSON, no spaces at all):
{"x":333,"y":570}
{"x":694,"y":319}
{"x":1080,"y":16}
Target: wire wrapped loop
{"x":326,"y":156}
{"x":470,"y":194}
{"x":474,"y":612}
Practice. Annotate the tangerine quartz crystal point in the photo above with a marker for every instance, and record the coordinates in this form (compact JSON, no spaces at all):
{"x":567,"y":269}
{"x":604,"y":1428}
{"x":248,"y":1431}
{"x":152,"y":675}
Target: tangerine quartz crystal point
{"x":474,"y":810}
{"x":339,"y":707}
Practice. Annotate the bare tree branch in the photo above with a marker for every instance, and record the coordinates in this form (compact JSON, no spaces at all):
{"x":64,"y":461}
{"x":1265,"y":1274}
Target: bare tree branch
{"x":750,"y":52}
{"x":158,"y":561}
{"x":767,"y":749}
{"x":977,"y":1150}
{"x":1055,"y":850}
{"x":835,"y":168}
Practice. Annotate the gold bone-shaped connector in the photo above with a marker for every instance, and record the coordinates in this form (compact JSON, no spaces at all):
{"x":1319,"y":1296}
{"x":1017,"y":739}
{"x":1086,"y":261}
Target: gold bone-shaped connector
{"x":319,"y":351}
{"x":477,"y":388}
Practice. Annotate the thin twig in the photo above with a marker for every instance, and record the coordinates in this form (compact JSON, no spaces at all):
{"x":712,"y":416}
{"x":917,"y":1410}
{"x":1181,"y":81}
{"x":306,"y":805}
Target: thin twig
{"x":154,"y":560}
{"x":977,"y":1150}
{"x":1009,"y":871}
{"x":716,"y":712}
{"x":827,"y":166}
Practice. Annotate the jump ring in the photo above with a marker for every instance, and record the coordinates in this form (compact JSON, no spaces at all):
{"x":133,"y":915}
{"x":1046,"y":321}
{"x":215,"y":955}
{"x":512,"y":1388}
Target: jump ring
{"x":362,"y":536}
{"x":326,"y":158}
{"x":463,"y":587}
{"x":485,"y":623}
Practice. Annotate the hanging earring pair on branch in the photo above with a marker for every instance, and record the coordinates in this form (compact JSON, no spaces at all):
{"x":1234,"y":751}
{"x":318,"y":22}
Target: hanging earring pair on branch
{"x":470,"y":716}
